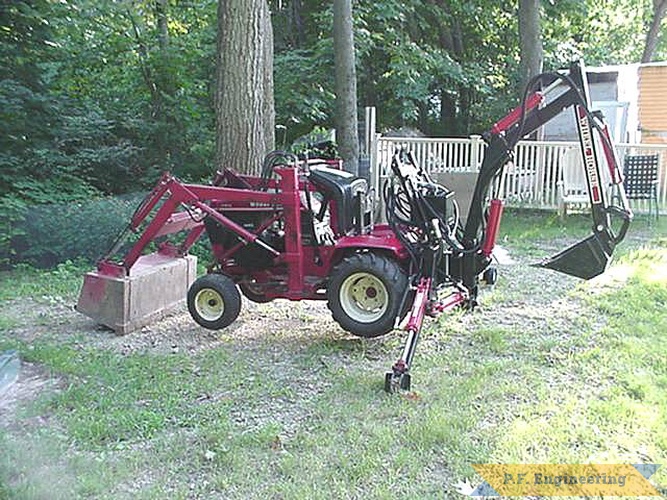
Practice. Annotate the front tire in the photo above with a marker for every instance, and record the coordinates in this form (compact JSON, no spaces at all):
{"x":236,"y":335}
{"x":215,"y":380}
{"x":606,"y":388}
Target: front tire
{"x":365,"y":293}
{"x":214,"y":301}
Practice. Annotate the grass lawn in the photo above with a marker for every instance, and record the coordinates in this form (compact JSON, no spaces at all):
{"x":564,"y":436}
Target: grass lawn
{"x":283,"y":404}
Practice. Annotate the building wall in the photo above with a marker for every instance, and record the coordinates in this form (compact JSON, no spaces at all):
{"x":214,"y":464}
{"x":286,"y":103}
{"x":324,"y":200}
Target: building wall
{"x":563,"y":127}
{"x":653,"y":103}
{"x":613,"y":91}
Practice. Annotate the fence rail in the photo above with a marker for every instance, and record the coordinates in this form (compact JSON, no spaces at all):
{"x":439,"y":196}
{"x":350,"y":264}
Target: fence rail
{"x":531,"y":180}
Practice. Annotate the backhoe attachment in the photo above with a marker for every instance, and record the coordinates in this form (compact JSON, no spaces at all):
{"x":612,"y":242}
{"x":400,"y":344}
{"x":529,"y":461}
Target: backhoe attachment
{"x":591,"y":256}
{"x":454,"y":256}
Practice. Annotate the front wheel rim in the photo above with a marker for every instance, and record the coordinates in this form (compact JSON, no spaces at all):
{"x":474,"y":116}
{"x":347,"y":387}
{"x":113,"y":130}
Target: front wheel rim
{"x":209,"y":304}
{"x":364,"y":297}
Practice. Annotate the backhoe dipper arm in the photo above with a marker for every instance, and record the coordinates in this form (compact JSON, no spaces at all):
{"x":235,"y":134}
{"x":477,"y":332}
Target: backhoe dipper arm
{"x":503,"y":137}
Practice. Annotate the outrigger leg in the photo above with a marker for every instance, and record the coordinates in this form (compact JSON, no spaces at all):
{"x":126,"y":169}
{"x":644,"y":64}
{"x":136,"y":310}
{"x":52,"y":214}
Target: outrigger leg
{"x":398,"y":379}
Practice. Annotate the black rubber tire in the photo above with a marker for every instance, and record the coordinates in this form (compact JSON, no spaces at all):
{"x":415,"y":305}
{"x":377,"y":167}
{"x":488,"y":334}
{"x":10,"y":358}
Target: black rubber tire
{"x":365,"y":293}
{"x":214,"y":301}
{"x":253,"y":296}
{"x":490,"y":276}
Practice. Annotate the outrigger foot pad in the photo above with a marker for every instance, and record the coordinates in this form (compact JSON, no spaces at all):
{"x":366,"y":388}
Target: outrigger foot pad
{"x":395,"y":382}
{"x":586,"y":259}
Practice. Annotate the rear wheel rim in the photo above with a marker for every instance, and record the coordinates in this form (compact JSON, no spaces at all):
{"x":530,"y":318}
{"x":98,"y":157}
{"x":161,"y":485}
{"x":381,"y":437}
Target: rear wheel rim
{"x":209,"y":304}
{"x":254,"y":288}
{"x":364,"y":297}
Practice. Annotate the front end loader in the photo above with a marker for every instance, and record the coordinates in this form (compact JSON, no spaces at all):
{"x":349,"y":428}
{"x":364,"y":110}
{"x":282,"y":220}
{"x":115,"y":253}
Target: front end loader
{"x":305,"y":230}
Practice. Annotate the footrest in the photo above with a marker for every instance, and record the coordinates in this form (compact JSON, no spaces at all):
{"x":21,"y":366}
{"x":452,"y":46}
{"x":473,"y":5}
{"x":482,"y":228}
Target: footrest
{"x":395,"y":382}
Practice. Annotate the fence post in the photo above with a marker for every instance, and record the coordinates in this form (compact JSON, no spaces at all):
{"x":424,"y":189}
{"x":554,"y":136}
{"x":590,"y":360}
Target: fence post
{"x":375,"y":162}
{"x":369,"y":128}
{"x":475,"y":148}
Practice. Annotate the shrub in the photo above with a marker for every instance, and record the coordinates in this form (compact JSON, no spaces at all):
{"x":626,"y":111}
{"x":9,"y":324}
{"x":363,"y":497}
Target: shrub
{"x":51,"y":234}
{"x":12,"y":212}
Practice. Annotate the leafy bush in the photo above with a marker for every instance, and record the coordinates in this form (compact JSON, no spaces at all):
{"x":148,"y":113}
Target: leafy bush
{"x":12,"y":211}
{"x":45,"y":236}
{"x":50,"y":234}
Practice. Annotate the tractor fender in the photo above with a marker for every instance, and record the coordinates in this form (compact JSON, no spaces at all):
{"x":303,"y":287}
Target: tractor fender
{"x":382,"y":239}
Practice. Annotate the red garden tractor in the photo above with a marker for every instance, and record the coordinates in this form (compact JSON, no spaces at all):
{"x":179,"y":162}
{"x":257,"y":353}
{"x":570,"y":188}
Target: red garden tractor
{"x":305,"y":230}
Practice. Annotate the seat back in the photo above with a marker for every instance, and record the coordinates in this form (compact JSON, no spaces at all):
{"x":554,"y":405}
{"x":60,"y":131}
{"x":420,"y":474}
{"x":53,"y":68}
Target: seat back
{"x":641,"y":176}
{"x":346,"y":191}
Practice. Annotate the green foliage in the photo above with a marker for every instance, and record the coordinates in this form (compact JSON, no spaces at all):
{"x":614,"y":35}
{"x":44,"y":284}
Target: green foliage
{"x":428,"y":65}
{"x":303,"y":97}
{"x":94,"y":100}
{"x":53,"y":285}
{"x":48,"y":234}
{"x":133,"y":397}
{"x":600,"y":32}
{"x":12,"y":211}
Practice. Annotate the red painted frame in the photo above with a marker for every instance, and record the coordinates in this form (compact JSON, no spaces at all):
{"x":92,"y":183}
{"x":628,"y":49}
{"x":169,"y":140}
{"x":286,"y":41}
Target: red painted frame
{"x":297,"y":272}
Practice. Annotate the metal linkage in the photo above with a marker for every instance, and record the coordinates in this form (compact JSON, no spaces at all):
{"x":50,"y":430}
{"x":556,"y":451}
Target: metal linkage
{"x":398,"y":379}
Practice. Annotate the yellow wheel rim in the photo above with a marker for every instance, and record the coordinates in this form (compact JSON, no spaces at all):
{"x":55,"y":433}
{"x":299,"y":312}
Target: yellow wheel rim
{"x":364,"y":297}
{"x":209,"y":304}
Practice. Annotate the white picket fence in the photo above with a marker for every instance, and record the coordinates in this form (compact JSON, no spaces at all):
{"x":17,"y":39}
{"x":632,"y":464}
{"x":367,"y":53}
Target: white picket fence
{"x":531,"y":180}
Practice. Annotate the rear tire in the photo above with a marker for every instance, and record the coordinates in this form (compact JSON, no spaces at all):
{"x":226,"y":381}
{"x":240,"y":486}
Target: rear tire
{"x":365,"y":294}
{"x":254,"y":292}
{"x":214,"y":301}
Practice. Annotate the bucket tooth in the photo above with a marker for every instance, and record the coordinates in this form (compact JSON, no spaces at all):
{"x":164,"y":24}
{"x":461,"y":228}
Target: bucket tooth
{"x":157,"y":284}
{"x":585,"y":259}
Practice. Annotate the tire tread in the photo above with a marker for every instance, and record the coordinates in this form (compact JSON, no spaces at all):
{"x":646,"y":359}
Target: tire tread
{"x":383,"y":267}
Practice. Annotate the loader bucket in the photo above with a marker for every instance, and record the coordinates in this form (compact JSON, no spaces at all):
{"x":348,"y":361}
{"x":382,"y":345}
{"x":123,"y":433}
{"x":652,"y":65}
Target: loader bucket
{"x":156,"y":285}
{"x":586,"y":259}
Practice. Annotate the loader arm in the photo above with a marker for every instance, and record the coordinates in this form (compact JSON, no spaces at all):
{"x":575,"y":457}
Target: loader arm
{"x":130,"y":288}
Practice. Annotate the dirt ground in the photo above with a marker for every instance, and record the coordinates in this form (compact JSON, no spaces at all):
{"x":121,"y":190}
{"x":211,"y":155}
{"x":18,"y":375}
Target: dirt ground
{"x":525,"y":296}
{"x":283,"y":326}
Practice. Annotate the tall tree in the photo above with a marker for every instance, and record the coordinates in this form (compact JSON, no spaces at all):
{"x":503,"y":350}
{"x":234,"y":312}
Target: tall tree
{"x":244,"y":107}
{"x":346,"y":85}
{"x":530,"y":40}
{"x":162,"y":23}
{"x":659,"y":11}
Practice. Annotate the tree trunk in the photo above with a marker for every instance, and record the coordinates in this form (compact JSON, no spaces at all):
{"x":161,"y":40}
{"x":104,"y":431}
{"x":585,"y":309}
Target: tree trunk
{"x":162,"y":24}
{"x":530,"y":41}
{"x":297,"y":23}
{"x":245,"y":115}
{"x":447,"y":114}
{"x":146,"y":70}
{"x":346,"y":86}
{"x":453,"y":102}
{"x":659,"y":10}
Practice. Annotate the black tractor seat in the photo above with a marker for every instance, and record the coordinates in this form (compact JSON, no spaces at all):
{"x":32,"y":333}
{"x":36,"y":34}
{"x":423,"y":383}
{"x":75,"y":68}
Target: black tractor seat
{"x":346,"y":191}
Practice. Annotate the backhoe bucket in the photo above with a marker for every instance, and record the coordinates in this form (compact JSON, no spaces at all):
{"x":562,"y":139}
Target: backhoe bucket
{"x":156,"y":285}
{"x":586,"y":259}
